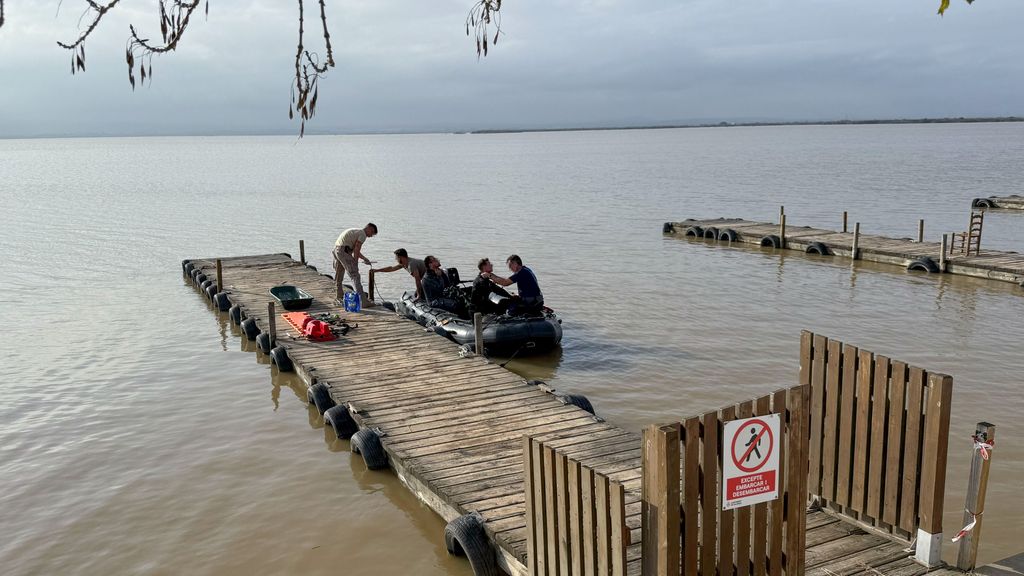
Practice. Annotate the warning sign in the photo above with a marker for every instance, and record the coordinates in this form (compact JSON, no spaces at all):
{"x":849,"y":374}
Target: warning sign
{"x":750,"y":461}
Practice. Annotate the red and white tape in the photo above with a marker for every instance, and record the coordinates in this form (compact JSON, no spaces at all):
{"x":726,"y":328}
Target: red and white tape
{"x":970,"y":526}
{"x":983,"y":446}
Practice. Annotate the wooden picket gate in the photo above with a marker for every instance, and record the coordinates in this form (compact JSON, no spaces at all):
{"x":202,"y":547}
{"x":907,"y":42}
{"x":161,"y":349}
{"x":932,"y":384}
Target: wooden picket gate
{"x":879,"y":433}
{"x":683,"y":524}
{"x":576,"y":518}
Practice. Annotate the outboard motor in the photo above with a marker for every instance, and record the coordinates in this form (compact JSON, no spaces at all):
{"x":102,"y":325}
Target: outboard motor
{"x":453,"y":275}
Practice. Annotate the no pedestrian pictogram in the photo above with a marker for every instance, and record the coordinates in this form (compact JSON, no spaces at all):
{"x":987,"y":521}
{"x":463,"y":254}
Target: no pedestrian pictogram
{"x":750,"y":464}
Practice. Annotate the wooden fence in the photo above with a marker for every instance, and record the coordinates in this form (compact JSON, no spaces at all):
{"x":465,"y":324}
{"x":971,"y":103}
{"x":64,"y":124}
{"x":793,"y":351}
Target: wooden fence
{"x":684,"y":525}
{"x":576,"y":518}
{"x":879,"y":433}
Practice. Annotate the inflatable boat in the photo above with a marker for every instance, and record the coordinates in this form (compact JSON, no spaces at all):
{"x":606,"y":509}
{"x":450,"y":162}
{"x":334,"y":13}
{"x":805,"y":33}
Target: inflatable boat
{"x":504,"y":335}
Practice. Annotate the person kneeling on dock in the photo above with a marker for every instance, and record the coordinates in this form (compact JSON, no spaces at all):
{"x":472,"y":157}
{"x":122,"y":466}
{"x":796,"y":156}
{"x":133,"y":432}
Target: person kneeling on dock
{"x":530,"y":298}
{"x":414,"y":266}
{"x":483,"y":290}
{"x":436,"y":285}
{"x":348,"y":251}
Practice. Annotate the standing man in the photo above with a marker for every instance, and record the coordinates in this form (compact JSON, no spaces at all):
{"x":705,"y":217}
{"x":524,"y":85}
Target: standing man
{"x":348,"y":251}
{"x":414,"y":266}
{"x":530,"y":297}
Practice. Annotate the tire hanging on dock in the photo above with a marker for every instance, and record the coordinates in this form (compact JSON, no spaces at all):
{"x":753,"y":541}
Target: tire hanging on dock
{"x":367,"y":444}
{"x":727,"y":235}
{"x":211,"y":291}
{"x":320,"y":396}
{"x":235,"y":313}
{"x":279,"y":357}
{"x":924,"y":264}
{"x":818,"y":248}
{"x":250,"y":328}
{"x":982,"y":203}
{"x":263,"y":342}
{"x":711,"y":233}
{"x":668,"y":228}
{"x":578,"y":400}
{"x":465,"y":536}
{"x":694,"y":232}
{"x":187,"y":267}
{"x":340,"y":419}
{"x":771,"y":241}
{"x":222,"y":301}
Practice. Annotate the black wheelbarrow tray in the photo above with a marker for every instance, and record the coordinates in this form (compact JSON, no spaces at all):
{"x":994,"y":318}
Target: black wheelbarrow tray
{"x":292,"y":297}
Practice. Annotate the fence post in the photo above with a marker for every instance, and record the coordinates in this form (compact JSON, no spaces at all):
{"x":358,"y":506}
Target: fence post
{"x":967,"y":556}
{"x":478,"y":330}
{"x":845,"y":215}
{"x":271,"y":311}
{"x":782,"y":231}
{"x":942,"y":256}
{"x":220,"y":277}
{"x":933,"y":473}
{"x":660,"y":515}
{"x":372,"y":285}
{"x":920,"y":230}
{"x":302,"y":251}
{"x":856,"y":241}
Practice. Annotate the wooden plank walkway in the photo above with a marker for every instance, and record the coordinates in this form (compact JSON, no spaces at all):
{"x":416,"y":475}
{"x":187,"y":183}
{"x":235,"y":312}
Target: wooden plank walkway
{"x":992,"y":264}
{"x":453,"y":426}
{"x":1012,"y":202}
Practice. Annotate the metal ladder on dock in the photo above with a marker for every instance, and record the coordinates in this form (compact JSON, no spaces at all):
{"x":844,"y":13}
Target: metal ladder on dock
{"x":970,"y":240}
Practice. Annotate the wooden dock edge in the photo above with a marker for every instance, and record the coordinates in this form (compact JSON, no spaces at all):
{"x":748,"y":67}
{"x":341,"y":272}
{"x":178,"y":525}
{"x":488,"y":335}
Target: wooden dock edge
{"x":506,"y":560}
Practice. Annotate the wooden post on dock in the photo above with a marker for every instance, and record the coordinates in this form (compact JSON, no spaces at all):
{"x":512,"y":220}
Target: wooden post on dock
{"x":220,"y":277}
{"x":302,"y":251}
{"x":782,"y":230}
{"x":845,"y":218}
{"x":478,"y":330}
{"x":942,"y":256}
{"x":660,"y":516}
{"x":920,"y":230}
{"x":967,"y":556}
{"x":856,"y":241}
{"x":372,"y":287}
{"x":271,"y":312}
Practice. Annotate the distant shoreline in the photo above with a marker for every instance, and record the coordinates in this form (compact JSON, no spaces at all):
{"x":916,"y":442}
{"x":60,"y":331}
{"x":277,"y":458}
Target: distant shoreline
{"x":749,"y":124}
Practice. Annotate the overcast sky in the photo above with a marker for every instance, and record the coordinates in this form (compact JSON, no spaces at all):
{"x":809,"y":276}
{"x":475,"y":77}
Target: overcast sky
{"x":406,"y":65}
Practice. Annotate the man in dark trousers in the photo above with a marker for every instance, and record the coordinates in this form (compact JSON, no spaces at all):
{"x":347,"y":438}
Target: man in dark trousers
{"x":348,"y":251}
{"x":530,"y":298}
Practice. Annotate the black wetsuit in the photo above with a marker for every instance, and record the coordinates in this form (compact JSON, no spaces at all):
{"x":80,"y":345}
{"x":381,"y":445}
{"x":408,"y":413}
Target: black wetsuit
{"x":481,"y":296}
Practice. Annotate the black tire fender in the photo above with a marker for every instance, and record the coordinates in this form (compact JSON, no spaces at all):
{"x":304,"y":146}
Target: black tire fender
{"x":199,"y":279}
{"x":668,"y":228}
{"x":694,"y":232}
{"x":340,"y":419}
{"x":250,"y":328}
{"x":465,"y":536}
{"x":924,"y":264}
{"x":727,"y":235}
{"x":982,"y":203}
{"x":818,"y":248}
{"x":320,"y":396}
{"x":222,"y":301}
{"x":367,"y":444}
{"x":211,"y":291}
{"x":279,"y":357}
{"x":578,"y":400}
{"x":187,"y":267}
{"x":235,"y":313}
{"x":263,"y":342}
{"x":771,"y":241}
{"x":711,"y":233}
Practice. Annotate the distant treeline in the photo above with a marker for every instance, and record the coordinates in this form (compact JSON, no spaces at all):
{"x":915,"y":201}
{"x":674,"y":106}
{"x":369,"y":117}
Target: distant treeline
{"x":734,"y":124}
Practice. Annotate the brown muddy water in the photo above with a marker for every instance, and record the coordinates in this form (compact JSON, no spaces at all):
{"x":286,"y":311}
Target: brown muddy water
{"x":140,"y":435}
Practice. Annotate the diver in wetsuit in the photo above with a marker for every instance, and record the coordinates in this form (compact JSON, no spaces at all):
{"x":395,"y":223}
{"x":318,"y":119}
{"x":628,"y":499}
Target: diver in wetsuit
{"x":483,"y":287}
{"x":436,"y":285}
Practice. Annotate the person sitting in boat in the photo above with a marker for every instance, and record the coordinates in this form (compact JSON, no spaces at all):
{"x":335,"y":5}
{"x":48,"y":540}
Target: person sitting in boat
{"x":483,"y":289}
{"x":436,"y":285}
{"x":414,"y":266}
{"x":530,"y":298}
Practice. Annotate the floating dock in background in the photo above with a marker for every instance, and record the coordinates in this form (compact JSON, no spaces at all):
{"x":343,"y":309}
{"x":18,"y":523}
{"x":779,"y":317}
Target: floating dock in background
{"x":904,"y":252}
{"x":1013,"y":202}
{"x":452,"y":426}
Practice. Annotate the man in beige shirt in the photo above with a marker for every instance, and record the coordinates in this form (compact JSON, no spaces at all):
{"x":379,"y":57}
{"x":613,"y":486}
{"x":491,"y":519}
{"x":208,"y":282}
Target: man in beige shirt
{"x":348,"y":251}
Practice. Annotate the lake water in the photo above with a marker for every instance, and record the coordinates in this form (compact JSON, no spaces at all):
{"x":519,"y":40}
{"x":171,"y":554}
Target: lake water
{"x":139,"y":435}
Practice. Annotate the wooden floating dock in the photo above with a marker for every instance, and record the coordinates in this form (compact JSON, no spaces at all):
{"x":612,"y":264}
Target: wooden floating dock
{"x":453,"y":425}
{"x":992,"y":264}
{"x":1012,"y":202}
